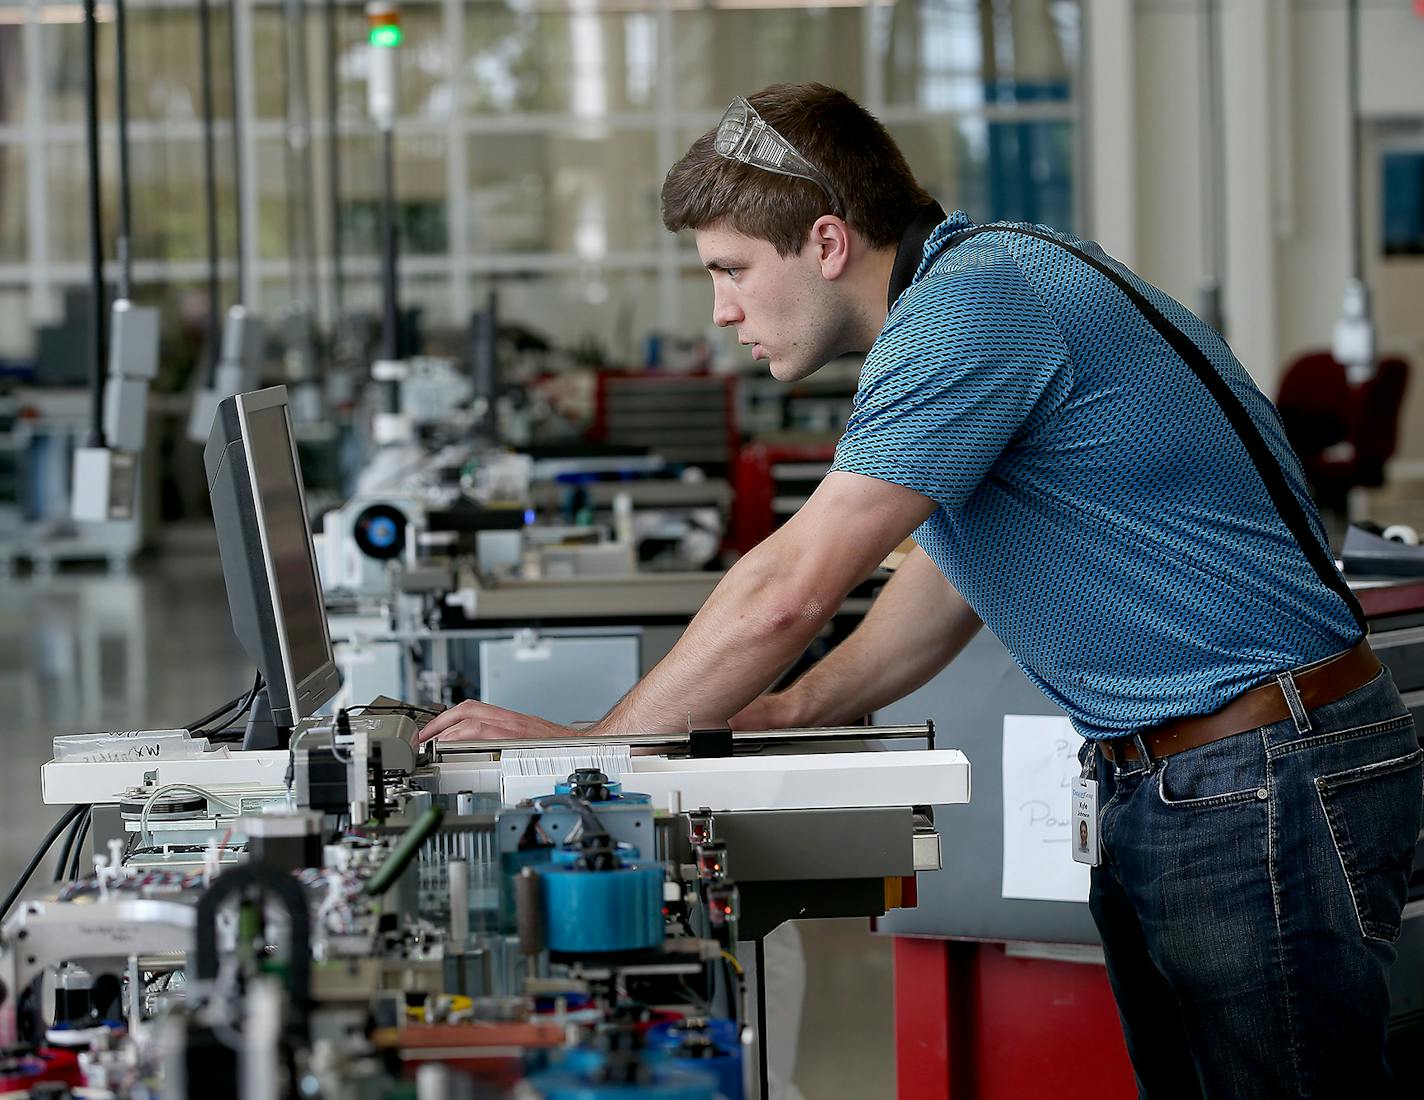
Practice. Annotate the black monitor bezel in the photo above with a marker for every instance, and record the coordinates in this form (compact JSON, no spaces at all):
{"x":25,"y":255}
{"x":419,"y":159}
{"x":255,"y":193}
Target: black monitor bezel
{"x":291,"y":699}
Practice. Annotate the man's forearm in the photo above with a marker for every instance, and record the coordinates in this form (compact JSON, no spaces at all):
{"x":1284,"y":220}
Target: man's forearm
{"x":917,"y":625}
{"x":760,"y":618}
{"x":757,"y":621}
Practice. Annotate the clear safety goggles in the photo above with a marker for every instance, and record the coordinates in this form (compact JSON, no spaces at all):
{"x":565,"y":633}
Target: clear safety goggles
{"x":743,"y":135}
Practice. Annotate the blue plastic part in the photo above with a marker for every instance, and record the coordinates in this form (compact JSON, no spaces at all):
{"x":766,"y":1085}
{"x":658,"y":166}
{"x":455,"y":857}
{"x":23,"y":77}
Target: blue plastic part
{"x":665,"y":1083}
{"x":382,"y":532}
{"x":667,"y":1041}
{"x":600,"y":911}
{"x":569,"y":857}
{"x":572,"y":1002}
{"x":670,"y":1036}
{"x":615,"y":791}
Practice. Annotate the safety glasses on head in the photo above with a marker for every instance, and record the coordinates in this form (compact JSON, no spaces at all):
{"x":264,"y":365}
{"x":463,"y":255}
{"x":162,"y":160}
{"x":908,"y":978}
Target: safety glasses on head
{"x":743,"y":135}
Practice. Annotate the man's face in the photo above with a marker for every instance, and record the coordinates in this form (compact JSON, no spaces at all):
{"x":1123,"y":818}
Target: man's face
{"x":780,"y":306}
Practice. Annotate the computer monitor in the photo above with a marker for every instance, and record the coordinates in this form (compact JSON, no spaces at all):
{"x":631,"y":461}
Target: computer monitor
{"x":269,"y":563}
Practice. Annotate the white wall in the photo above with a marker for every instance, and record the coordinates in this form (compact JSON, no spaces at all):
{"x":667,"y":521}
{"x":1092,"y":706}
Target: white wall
{"x":1287,"y":157}
{"x":1392,"y":46}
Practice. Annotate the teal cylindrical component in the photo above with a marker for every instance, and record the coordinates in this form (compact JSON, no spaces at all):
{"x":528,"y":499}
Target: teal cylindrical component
{"x":663,"y":1083}
{"x":597,"y":911}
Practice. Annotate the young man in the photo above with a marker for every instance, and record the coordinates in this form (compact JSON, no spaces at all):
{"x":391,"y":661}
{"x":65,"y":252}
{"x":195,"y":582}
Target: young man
{"x":1086,"y":468}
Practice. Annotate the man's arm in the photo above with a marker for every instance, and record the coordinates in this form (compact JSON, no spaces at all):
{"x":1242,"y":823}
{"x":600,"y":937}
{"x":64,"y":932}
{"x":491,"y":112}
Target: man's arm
{"x":917,"y":625}
{"x":758,"y":620}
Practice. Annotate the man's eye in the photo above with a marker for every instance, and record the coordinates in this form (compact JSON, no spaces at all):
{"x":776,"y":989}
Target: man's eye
{"x":732,"y":272}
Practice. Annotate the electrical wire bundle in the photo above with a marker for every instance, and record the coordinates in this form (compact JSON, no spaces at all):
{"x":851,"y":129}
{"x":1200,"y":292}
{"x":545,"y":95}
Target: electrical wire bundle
{"x":229,"y":712}
{"x":67,"y":866}
{"x":70,"y":818}
{"x":77,"y":819}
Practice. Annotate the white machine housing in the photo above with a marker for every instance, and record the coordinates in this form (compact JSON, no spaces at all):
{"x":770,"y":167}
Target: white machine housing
{"x":343,"y":566}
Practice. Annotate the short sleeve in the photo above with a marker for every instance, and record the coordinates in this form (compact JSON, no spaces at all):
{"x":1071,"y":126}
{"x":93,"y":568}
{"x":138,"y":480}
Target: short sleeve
{"x":968,"y":358}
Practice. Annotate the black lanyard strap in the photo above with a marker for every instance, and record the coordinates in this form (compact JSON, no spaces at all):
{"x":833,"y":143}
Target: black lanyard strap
{"x":912,"y":249}
{"x":1288,"y":506}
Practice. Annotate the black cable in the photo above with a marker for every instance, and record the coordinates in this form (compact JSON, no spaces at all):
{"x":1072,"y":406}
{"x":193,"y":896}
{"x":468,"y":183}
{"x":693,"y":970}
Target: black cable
{"x":333,"y":157}
{"x":293,"y":115}
{"x":341,"y":734}
{"x":194,"y":727}
{"x":79,"y":844}
{"x":62,"y":863}
{"x":243,"y":706}
{"x":45,"y":845}
{"x":1213,"y":185}
{"x":125,"y":256}
{"x":390,"y":299}
{"x":96,"y":226}
{"x":238,"y":183}
{"x":1352,"y":99}
{"x":257,"y":685}
{"x":210,"y":187}
{"x":242,"y":703}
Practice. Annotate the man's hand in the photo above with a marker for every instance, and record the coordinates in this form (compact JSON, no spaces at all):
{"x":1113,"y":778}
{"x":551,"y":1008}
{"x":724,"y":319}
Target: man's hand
{"x":475,"y":721}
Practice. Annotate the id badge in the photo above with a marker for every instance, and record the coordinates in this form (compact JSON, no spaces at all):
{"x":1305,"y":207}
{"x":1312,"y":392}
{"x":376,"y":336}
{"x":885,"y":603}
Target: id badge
{"x":1085,"y":821}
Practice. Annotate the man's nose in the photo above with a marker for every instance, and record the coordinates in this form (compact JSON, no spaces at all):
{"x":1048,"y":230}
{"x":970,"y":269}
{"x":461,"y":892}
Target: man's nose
{"x":725,"y":311}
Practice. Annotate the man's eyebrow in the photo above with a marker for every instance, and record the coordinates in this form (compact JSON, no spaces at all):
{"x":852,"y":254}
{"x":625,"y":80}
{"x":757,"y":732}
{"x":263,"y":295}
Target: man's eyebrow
{"x":721,"y":263}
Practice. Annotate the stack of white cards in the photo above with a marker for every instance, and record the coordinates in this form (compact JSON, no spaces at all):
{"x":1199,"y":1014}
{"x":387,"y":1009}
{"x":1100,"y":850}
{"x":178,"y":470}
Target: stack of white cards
{"x":613,"y":760}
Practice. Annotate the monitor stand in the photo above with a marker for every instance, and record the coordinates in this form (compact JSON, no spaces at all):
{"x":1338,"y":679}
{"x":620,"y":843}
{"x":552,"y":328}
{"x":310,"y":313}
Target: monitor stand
{"x":262,"y":732}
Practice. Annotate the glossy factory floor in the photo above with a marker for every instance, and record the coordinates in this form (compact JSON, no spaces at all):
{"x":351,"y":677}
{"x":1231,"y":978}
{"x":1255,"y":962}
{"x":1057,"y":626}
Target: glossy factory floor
{"x":86,"y":651}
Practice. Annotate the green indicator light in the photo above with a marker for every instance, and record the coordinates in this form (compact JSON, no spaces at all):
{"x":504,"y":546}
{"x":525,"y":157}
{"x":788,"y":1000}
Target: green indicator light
{"x":386,"y":35}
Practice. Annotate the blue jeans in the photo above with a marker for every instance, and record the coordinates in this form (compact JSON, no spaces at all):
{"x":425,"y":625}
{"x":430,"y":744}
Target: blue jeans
{"x":1249,"y":899}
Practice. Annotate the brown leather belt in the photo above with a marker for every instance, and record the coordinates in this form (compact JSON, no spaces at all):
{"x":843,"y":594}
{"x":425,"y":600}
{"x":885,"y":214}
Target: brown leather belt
{"x":1321,"y":683}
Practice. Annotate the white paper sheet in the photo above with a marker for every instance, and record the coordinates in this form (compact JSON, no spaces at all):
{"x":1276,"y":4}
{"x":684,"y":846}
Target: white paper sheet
{"x":1040,"y":762}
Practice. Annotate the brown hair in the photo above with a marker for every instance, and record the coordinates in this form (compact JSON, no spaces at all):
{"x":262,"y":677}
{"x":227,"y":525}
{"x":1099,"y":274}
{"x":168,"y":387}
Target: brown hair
{"x":859,"y":159}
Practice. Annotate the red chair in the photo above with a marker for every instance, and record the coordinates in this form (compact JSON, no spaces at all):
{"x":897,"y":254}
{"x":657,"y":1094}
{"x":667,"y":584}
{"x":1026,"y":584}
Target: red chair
{"x":1343,"y":434}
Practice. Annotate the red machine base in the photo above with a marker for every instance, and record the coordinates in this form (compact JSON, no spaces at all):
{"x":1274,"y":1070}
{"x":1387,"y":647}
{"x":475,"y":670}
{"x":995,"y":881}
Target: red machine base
{"x":973,"y":1023}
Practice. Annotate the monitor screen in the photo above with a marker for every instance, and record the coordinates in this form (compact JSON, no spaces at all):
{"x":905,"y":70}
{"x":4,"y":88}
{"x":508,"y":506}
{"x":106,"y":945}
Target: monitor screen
{"x":289,"y":545}
{"x":269,"y":563}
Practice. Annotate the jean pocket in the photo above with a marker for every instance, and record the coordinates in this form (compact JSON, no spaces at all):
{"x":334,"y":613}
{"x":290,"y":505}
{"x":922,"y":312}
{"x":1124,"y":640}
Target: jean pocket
{"x":1374,"y":816}
{"x":1223,"y":773}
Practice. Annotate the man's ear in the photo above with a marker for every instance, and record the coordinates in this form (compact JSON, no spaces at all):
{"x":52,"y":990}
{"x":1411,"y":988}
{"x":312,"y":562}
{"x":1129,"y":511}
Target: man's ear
{"x":831,"y":238}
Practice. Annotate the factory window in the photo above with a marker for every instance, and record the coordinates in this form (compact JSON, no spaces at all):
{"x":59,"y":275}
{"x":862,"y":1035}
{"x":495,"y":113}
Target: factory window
{"x":1403,"y":182}
{"x":531,"y":141}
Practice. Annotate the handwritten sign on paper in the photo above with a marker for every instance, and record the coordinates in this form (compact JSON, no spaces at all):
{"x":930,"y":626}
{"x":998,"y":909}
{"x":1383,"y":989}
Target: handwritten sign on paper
{"x":1040,"y":764}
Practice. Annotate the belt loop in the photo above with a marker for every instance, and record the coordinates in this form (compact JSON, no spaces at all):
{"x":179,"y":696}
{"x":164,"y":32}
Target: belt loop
{"x":1286,"y":681}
